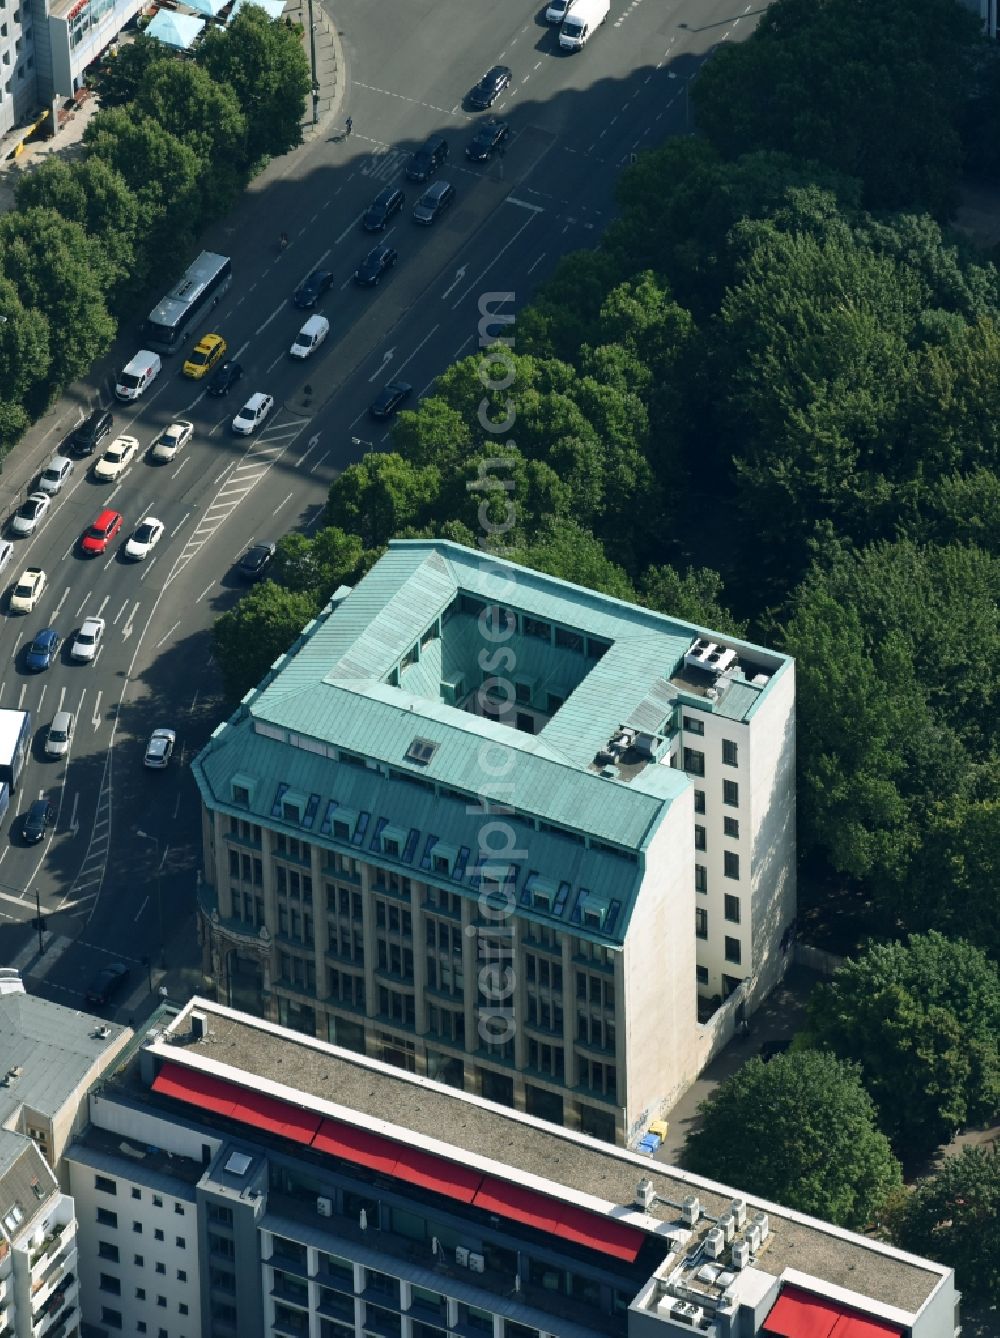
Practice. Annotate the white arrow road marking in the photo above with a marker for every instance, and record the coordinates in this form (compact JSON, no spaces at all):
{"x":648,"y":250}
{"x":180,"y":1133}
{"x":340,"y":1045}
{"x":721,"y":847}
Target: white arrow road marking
{"x":386,"y":359}
{"x":459,"y":276}
{"x":95,"y":719}
{"x":129,"y":621}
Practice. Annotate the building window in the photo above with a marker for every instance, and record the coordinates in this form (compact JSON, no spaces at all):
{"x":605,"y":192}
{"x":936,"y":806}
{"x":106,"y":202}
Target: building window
{"x":732,"y":950}
{"x":139,"y":1261}
{"x":730,"y":793}
{"x":731,"y":864}
{"x":729,"y":753}
{"x":105,"y":1185}
{"x":140,"y":1293}
{"x":182,"y":1275}
{"x":701,"y":974}
{"x":694,"y":762}
{"x":111,"y":1284}
{"x":732,"y":909}
{"x":158,"y":1234}
{"x":136,"y":1192}
{"x":699,"y":801}
{"x":161,"y":1268}
{"x":106,"y":1218}
{"x":701,"y":923}
{"x":731,"y":827}
{"x":112,"y":1318}
{"x":700,"y":878}
{"x":105,"y":1250}
{"x":700,"y":838}
{"x":182,"y":1308}
{"x":179,"y":1208}
{"x":137,"y":1228}
{"x":693,"y":725}
{"x":162,"y":1301}
{"x":180,"y":1243}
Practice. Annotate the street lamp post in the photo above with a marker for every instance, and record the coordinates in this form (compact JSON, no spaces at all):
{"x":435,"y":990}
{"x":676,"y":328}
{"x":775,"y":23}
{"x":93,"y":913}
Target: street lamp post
{"x":312,"y":60}
{"x":159,"y":902}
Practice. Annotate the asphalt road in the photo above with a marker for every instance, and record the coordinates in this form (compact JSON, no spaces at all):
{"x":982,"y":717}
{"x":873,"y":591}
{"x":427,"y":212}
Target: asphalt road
{"x":116,"y":876}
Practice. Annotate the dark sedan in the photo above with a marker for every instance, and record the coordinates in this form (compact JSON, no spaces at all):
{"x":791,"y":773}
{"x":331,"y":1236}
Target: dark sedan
{"x":256,"y":560}
{"x":379,"y":260}
{"x":388,"y":400}
{"x":310,"y":290}
{"x":491,"y":134}
{"x":384,"y":206}
{"x":109,"y":981}
{"x":225,"y":378}
{"x":42,"y":650}
{"x":489,"y":88}
{"x":37,"y":821}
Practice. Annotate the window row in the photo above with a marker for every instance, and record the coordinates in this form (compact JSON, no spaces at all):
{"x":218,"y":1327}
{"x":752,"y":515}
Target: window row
{"x":730,"y":828}
{"x":730,"y":749}
{"x":733,"y":949}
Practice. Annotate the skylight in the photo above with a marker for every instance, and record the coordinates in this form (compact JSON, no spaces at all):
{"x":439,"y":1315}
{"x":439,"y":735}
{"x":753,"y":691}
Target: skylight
{"x":421,"y":751}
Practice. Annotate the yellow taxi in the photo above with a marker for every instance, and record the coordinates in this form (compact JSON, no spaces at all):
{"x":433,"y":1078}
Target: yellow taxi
{"x":209,"y":350}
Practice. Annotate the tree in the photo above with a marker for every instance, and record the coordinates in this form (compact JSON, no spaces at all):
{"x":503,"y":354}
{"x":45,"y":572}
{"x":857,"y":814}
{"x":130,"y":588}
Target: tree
{"x":954,"y":1217}
{"x":264,"y":63}
{"x":121,"y":78}
{"x":24,"y":353}
{"x":380,"y":496}
{"x":564,"y":549}
{"x":693,"y":597}
{"x":801,"y":1131}
{"x":249,"y":638}
{"x":922,"y":1020}
{"x":317,"y":566}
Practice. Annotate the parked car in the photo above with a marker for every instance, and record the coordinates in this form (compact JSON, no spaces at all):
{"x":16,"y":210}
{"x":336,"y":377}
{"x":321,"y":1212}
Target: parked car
{"x":28,"y":591}
{"x":55,"y":474}
{"x":60,"y":735}
{"x":434,"y":201}
{"x":224,"y":378}
{"x":92,"y":431}
{"x":252,"y":414}
{"x":386,"y":204}
{"x":312,"y":288}
{"x":159,"y":749}
{"x":492,"y":133}
{"x":116,"y":459}
{"x":145,"y":537}
{"x":107,"y":984}
{"x":489,"y":88}
{"x":379,"y":260}
{"x":206,"y":354}
{"x":96,"y":537}
{"x":256,"y":560}
{"x":42,"y":650}
{"x":37,"y":821}
{"x":30,"y":514}
{"x":388,"y":400}
{"x":171,"y":440}
{"x":87,"y":641}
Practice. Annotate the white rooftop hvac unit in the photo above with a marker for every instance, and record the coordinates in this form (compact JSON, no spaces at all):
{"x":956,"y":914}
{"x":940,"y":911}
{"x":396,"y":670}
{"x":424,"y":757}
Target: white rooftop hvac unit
{"x":741,"y":1254}
{"x":477,"y":1263}
{"x":760,"y":1220}
{"x":753,"y":1237}
{"x":727,"y":1225}
{"x":687,"y":1313}
{"x":461,"y":1256}
{"x":324,"y":1207}
{"x":645,"y":1195}
{"x":709,"y":656}
{"x":714,"y":1243}
{"x":738,"y":1208}
{"x":691,"y":1209}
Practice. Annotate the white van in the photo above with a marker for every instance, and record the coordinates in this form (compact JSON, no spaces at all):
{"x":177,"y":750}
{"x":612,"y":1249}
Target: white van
{"x":582,"y":22}
{"x":310,"y":337}
{"x":138,"y":375}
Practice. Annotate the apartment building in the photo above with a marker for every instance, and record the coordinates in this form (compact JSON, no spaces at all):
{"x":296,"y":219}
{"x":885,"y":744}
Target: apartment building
{"x":321,"y":1194}
{"x":39,"y":1286}
{"x":506,"y":832}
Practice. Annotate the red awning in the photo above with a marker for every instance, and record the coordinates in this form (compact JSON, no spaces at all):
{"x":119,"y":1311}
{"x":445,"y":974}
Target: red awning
{"x":356,"y":1145}
{"x":801,"y":1314}
{"x":437,"y":1174}
{"x":274,"y":1116}
{"x":600,"y":1233}
{"x":196,"y":1088}
{"x":518,"y":1204}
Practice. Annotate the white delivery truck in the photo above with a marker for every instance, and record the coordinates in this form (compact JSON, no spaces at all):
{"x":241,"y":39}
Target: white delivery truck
{"x":138,"y":375}
{"x":581,"y":22}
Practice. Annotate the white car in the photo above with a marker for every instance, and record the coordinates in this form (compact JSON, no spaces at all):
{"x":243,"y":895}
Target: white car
{"x":87,"y":640}
{"x":116,"y":459}
{"x":252,"y":414}
{"x":171,"y":440}
{"x":159,"y":749}
{"x":557,"y":10}
{"x":55,"y":474}
{"x":60,"y":734}
{"x":145,"y":538}
{"x":28,"y":591}
{"x":29,"y":514}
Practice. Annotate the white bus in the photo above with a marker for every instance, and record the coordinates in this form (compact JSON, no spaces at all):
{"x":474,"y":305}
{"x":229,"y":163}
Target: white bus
{"x":171,"y":321}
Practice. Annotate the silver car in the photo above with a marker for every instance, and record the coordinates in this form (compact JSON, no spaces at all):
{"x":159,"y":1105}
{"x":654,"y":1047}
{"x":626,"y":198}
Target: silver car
{"x":60,"y":734}
{"x":159,"y":749}
{"x":55,"y":474}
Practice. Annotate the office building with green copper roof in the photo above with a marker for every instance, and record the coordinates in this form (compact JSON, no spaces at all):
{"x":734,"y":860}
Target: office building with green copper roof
{"x":506,"y":832}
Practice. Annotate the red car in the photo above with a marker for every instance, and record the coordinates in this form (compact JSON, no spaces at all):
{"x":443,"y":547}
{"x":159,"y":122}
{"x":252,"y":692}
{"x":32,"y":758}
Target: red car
{"x":99,"y":535}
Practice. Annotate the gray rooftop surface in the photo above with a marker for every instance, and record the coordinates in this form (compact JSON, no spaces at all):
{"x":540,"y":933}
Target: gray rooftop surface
{"x":471,"y":1125}
{"x":25,"y":1182}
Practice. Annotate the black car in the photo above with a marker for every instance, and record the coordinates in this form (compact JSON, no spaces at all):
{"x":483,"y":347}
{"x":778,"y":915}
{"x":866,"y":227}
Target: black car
{"x":92,"y":431}
{"x":108,"y":982}
{"x":427,"y":159}
{"x":36,"y":821}
{"x":489,"y":88}
{"x":488,"y":138}
{"x":385,"y":205}
{"x":388,"y":400}
{"x":255,"y":561}
{"x":378,"y":260}
{"x":310,"y":290}
{"x":225,"y":378}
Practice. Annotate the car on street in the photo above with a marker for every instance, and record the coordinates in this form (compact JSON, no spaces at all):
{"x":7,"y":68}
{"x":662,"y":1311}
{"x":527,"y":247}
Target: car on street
{"x":386,"y":204}
{"x":252,"y":414}
{"x":428,"y":158}
{"x":434,"y":201}
{"x":6,"y":552}
{"x":489,"y":88}
{"x":92,"y":431}
{"x":256,"y":560}
{"x":558,"y":10}
{"x":107,"y":984}
{"x":309,"y":338}
{"x":116,"y":459}
{"x":87,"y":641}
{"x":60,"y":734}
{"x":389,"y":398}
{"x":379,"y":260}
{"x":28,"y":591}
{"x":29,"y":515}
{"x":312,"y":288}
{"x":159,"y":749}
{"x":491,"y":135}
{"x":96,"y":537}
{"x":146,"y":535}
{"x":206,"y":354}
{"x":55,"y":474}
{"x":37,"y":821}
{"x":170,"y":441}
{"x":224,"y":378}
{"x":42,"y":650}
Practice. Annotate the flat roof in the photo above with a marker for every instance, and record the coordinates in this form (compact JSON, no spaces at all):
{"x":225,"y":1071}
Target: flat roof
{"x":315,"y":1075}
